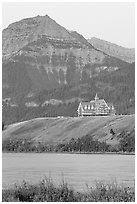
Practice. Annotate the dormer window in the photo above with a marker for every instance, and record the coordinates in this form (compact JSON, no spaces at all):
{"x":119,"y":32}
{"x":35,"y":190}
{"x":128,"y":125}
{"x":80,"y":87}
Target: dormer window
{"x":85,"y":107}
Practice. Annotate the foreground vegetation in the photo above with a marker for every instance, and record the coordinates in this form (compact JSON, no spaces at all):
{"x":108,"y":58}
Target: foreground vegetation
{"x":46,"y":190}
{"x":83,"y":144}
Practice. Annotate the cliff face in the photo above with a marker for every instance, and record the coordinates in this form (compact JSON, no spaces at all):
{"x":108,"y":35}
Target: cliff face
{"x":125,"y":54}
{"x":20,"y":33}
{"x":40,"y":54}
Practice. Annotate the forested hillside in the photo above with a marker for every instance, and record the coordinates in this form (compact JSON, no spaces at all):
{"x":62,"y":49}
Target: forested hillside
{"x":117,"y":87}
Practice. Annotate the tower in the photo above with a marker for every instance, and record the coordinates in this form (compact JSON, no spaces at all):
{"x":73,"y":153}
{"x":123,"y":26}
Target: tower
{"x":96,"y":97}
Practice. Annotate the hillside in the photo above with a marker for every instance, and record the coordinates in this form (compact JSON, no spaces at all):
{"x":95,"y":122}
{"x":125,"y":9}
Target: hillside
{"x":117,"y":87}
{"x":125,"y":54}
{"x":54,"y":131}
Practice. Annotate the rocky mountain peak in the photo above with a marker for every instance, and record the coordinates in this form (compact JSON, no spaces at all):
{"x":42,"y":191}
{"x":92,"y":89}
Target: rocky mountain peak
{"x":28,"y":30}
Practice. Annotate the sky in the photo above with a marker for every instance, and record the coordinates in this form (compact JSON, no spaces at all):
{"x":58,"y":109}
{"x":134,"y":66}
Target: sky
{"x":110,"y":21}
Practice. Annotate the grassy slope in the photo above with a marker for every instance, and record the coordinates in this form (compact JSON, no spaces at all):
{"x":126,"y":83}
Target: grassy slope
{"x":57,"y":130}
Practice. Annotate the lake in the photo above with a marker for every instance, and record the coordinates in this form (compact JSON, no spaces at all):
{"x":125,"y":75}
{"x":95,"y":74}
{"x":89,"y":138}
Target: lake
{"x":78,"y":170}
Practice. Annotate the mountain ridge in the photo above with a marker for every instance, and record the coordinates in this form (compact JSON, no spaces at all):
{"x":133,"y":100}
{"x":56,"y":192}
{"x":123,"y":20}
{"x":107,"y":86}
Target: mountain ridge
{"x":112,"y":49}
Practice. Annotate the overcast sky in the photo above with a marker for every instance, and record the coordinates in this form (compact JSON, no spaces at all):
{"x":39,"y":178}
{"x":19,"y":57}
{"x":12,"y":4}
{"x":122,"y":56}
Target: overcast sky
{"x":114,"y":22}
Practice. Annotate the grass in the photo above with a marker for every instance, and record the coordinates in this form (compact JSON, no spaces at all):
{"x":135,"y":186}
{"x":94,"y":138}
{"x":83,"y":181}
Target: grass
{"x":48,"y":129}
{"x":47,"y":191}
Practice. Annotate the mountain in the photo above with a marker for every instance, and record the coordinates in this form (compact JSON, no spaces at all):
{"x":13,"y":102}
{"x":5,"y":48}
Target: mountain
{"x":125,"y":54}
{"x":21,"y":33}
{"x":47,"y":70}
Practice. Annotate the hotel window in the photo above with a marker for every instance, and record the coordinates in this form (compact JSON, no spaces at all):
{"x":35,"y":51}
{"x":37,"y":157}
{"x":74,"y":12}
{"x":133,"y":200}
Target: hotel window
{"x":89,"y":107}
{"x":85,"y":107}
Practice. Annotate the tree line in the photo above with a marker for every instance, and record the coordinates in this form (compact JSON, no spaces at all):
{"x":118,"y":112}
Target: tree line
{"x":83,"y":144}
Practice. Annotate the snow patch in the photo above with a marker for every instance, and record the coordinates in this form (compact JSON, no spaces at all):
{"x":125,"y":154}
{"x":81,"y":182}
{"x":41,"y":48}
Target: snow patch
{"x":52,"y":102}
{"x":31,"y":104}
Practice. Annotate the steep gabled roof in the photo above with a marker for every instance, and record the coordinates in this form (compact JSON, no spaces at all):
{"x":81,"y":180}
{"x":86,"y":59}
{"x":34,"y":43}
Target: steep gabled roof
{"x":93,"y":104}
{"x":90,"y":106}
{"x":87,"y":103}
{"x":87,"y":106}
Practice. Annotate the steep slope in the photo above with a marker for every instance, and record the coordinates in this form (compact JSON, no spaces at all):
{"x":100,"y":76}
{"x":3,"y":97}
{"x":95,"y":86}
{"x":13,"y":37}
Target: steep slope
{"x":20,"y":33}
{"x":62,"y":130}
{"x":81,"y":39}
{"x":39,"y":54}
{"x":125,"y":54}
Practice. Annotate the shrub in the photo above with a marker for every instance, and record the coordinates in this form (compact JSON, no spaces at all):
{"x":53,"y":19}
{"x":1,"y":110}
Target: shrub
{"x":47,"y":191}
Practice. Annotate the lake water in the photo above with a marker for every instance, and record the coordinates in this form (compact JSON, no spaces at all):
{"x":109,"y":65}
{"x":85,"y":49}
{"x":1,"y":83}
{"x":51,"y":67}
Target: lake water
{"x":78,"y":170}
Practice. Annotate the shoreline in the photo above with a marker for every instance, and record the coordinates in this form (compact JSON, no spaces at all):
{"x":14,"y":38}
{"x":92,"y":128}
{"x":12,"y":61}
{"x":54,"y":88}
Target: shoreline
{"x":104,"y":153}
